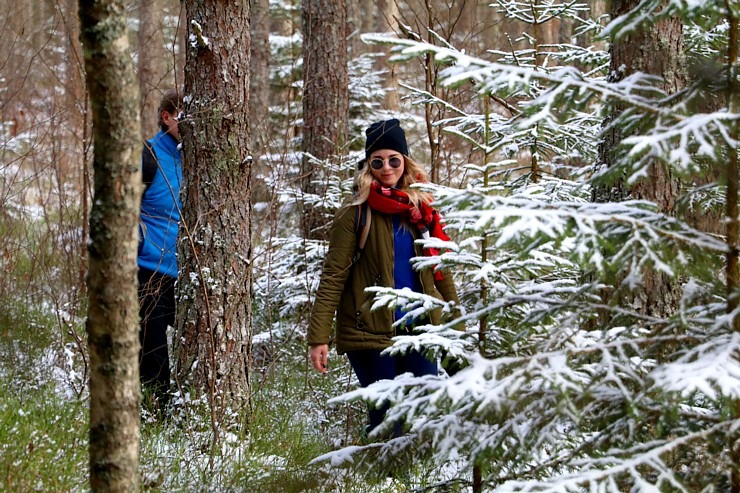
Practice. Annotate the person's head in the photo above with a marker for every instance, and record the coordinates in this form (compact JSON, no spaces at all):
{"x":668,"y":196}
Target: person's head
{"x":169,"y":107}
{"x":387,"y":161}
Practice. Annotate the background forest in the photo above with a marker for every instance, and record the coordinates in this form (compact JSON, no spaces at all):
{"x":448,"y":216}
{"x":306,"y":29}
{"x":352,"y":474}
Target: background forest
{"x":585,"y":158}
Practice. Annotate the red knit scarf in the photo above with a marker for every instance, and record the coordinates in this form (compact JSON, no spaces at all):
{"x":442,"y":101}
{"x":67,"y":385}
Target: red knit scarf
{"x":424,"y":217}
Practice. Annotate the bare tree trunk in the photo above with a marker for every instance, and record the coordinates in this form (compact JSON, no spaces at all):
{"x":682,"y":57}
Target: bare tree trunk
{"x":259,"y":86}
{"x":325,"y":98}
{"x":431,"y":112}
{"x":386,"y":15}
{"x":152,"y":63}
{"x":733,"y":173}
{"x":354,"y":29}
{"x":733,"y":224}
{"x":659,"y":51}
{"x":73,"y":64}
{"x":214,"y":322}
{"x":179,"y":47}
{"x":78,"y":123}
{"x":113,"y":312}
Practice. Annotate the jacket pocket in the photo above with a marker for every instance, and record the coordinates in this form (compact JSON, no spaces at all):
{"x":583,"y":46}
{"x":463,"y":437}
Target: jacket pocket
{"x":374,"y":322}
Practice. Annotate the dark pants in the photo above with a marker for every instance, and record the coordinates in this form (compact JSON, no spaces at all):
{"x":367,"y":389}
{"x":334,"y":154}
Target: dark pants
{"x":156,"y":312}
{"x":371,"y":366}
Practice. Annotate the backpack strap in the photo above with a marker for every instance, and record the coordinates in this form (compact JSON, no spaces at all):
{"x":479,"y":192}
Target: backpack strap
{"x":362,"y":229}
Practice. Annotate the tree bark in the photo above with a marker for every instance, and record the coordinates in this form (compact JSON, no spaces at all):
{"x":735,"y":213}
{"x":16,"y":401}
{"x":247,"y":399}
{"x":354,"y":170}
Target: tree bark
{"x":213,"y":345}
{"x":325,"y":98}
{"x":113,"y":312}
{"x":259,"y":74}
{"x":178,"y":49}
{"x":386,"y":15}
{"x":354,"y":29}
{"x":733,"y":224}
{"x":152,"y":63}
{"x":79,"y":123}
{"x":657,"y":50}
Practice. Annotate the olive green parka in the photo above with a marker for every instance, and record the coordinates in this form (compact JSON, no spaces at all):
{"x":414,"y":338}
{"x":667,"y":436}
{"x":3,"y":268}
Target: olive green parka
{"x":342,"y":286}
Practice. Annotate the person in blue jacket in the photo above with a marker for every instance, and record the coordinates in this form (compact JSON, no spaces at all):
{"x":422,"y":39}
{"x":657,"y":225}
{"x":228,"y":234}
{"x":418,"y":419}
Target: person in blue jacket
{"x":157,"y":258}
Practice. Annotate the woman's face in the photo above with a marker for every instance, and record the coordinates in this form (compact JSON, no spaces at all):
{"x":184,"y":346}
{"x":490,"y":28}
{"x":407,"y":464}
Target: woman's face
{"x":387,"y":175}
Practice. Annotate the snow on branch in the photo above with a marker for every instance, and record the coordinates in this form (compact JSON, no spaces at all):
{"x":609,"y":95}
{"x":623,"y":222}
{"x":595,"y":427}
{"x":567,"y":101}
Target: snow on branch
{"x":493,"y":77}
{"x":712,"y":368}
{"x":673,"y":136}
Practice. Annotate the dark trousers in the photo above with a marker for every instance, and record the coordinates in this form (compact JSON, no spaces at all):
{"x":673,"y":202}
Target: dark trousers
{"x":156,"y":312}
{"x":370,"y":366}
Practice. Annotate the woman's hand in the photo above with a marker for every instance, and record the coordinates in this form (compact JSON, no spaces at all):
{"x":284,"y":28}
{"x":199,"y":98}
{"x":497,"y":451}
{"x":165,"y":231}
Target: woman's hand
{"x":319,"y":357}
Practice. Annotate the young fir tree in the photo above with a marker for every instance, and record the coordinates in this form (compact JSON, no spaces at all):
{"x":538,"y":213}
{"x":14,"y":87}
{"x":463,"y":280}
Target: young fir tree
{"x":574,"y":389}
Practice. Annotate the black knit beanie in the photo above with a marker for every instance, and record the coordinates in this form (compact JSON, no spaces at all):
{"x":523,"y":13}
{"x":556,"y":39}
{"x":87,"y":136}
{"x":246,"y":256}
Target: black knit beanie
{"x":386,"y":134}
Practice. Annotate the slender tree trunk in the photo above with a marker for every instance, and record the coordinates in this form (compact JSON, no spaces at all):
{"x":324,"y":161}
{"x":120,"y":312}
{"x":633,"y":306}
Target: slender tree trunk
{"x":214,"y":324}
{"x":259,"y":87}
{"x":325,"y":98}
{"x":152,"y":63}
{"x":74,"y":87}
{"x":354,"y":29}
{"x":382,"y":16}
{"x":179,"y":46}
{"x":78,"y":122}
{"x":733,"y":223}
{"x":733,"y":173}
{"x":430,"y":85}
{"x":113,"y":312}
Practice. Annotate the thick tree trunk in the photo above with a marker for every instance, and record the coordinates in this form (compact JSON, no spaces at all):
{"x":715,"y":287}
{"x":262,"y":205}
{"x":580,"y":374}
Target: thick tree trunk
{"x":214,"y":293}
{"x":325,"y":98}
{"x":152,"y":64}
{"x":113,"y":312}
{"x":659,"y":51}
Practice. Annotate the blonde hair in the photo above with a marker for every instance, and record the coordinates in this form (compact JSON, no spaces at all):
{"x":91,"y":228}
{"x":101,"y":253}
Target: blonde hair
{"x":412,"y":173}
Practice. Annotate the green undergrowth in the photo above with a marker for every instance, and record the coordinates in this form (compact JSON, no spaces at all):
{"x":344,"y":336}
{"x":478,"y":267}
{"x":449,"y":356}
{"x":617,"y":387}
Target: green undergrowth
{"x":271,"y":451}
{"x":25,"y":336}
{"x":43,"y":440}
{"x":44,"y":427}
{"x":43,"y":424}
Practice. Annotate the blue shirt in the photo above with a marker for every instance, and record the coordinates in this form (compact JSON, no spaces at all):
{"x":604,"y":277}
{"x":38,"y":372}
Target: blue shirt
{"x":404,"y":276}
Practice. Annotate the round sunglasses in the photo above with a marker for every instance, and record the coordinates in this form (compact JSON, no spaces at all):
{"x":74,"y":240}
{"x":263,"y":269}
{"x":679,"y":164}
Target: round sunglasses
{"x":378,"y":163}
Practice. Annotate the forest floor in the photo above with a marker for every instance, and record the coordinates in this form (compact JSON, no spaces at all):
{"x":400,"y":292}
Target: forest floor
{"x":44,"y":425}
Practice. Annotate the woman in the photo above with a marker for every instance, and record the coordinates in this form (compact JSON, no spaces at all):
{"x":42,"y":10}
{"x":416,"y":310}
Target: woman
{"x":400,"y":215}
